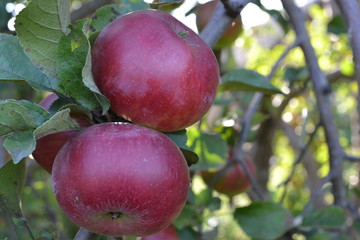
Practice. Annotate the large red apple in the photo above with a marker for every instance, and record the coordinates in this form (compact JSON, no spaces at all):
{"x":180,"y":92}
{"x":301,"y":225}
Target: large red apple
{"x":233,"y":181}
{"x":121,"y":179}
{"x":48,"y":146}
{"x":203,"y":14}
{"x":167,"y":234}
{"x":154,"y":70}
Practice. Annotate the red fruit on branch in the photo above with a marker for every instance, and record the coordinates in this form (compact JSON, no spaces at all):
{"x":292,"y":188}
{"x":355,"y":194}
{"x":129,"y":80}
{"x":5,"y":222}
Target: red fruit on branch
{"x":121,"y":180}
{"x":154,"y":70}
{"x":203,"y":14}
{"x":48,"y":146}
{"x":233,"y":181}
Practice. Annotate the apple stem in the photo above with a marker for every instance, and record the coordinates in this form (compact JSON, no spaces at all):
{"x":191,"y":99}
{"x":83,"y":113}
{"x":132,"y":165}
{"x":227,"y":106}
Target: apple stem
{"x":182,"y":34}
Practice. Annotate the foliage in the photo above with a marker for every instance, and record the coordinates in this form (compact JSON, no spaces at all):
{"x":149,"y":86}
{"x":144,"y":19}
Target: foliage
{"x":288,"y":198}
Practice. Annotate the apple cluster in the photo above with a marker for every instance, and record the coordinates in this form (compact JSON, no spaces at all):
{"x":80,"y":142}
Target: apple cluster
{"x":128,"y":178}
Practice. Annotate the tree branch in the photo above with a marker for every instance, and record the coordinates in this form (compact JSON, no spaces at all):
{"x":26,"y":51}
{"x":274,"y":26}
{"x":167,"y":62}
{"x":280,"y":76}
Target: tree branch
{"x":84,"y":234}
{"x":322,"y":90}
{"x":221,"y":19}
{"x":351,"y":158}
{"x":302,"y":153}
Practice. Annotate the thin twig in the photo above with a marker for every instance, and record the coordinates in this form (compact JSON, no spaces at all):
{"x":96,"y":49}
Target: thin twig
{"x":298,"y":160}
{"x":322,"y":91}
{"x":351,"y":158}
{"x":317,"y":193}
{"x":84,"y":234}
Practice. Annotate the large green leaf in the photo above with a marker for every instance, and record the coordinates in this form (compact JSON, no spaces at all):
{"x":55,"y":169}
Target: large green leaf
{"x":39,"y":27}
{"x":263,"y":220}
{"x":329,"y":217}
{"x":18,"y":116}
{"x":61,"y":121}
{"x":246,"y":80}
{"x":211,"y":149}
{"x":16,"y":66}
{"x":72,"y":54}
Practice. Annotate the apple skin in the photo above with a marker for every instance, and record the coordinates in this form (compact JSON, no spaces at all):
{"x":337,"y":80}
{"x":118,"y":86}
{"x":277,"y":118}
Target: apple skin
{"x":153,"y":76}
{"x":167,"y":234}
{"x":48,"y":146}
{"x":233,"y":181}
{"x":120,"y":179}
{"x":203,"y":14}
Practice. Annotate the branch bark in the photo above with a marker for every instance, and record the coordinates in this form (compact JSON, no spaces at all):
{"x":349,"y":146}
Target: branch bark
{"x":84,"y":234}
{"x":350,"y":9}
{"x":322,"y":90}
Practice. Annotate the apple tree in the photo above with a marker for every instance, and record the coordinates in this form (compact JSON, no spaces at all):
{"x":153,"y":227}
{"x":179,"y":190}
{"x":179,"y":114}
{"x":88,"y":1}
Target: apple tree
{"x":121,"y":122}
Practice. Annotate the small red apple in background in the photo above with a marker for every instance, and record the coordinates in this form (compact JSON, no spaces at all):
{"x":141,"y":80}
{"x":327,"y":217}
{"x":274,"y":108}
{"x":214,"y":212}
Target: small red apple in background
{"x":233,"y":181}
{"x":167,"y":234}
{"x":154,"y":70}
{"x":48,"y":146}
{"x":203,"y":14}
{"x":120,"y":179}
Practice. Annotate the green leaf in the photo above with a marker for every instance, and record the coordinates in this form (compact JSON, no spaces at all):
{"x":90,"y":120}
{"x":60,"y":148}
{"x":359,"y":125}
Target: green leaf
{"x":135,"y":5}
{"x":190,"y":156}
{"x":204,"y":197}
{"x":330,"y":217}
{"x":12,"y":177}
{"x":187,"y":218}
{"x":72,"y":56}
{"x":15,"y":65}
{"x":284,"y":23}
{"x":296,"y":74}
{"x":263,"y":220}
{"x":61,"y":121}
{"x":246,"y":80}
{"x":337,"y":25}
{"x":89,"y":82}
{"x":18,"y":116}
{"x":166,"y":5}
{"x":328,"y":236}
{"x":106,"y":14}
{"x":39,"y":27}
{"x":179,"y":137}
{"x":211,"y":149}
{"x":20,"y":145}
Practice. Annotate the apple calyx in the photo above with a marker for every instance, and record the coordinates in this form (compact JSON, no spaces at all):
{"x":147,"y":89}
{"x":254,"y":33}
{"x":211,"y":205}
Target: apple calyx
{"x":116,"y":215}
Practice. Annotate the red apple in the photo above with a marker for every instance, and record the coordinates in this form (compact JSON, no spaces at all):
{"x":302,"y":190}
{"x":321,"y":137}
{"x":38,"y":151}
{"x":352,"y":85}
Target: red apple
{"x":203,"y":14}
{"x":120,"y":179}
{"x":233,"y":181}
{"x":154,"y":70}
{"x":48,"y":146}
{"x":167,"y":234}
